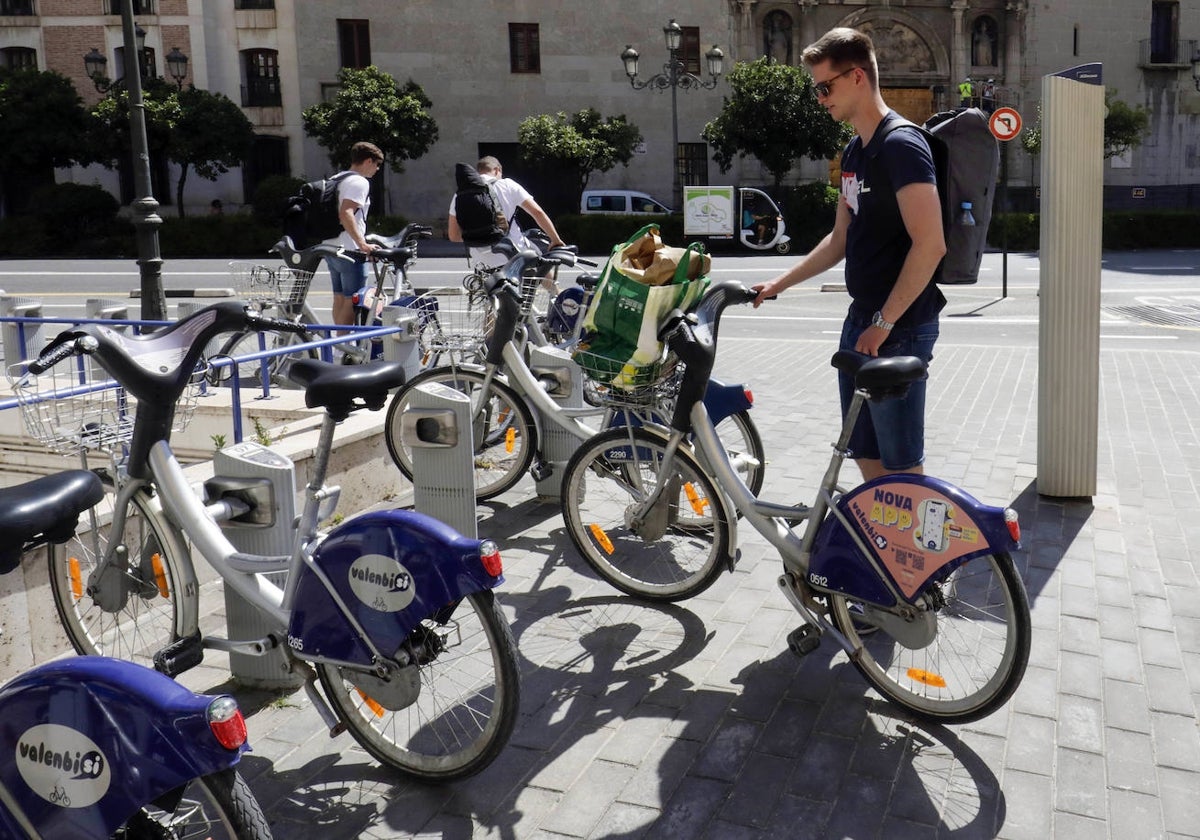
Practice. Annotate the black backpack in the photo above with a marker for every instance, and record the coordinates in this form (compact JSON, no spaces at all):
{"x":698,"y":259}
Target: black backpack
{"x":966,"y":156}
{"x":477,"y":209}
{"x":312,"y":213}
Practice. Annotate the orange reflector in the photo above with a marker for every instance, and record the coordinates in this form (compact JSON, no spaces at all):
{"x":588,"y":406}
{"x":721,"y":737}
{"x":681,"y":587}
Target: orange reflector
{"x":599,"y":536}
{"x":698,"y":502}
{"x":510,"y":438}
{"x":927,"y":678}
{"x":489,"y":556}
{"x":76,"y":578}
{"x":160,"y":575}
{"x":371,"y":704}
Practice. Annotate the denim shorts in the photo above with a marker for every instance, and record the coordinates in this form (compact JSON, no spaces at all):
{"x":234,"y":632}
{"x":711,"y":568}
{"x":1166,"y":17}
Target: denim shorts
{"x":348,"y":275}
{"x":892,"y":431}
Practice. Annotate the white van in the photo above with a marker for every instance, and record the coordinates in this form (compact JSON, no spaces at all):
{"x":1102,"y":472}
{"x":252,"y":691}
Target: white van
{"x":619,"y":201}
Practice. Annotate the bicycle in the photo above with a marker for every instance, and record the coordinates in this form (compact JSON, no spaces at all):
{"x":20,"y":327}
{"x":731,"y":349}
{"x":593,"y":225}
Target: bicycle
{"x":915,"y":559}
{"x":100,"y":747}
{"x":506,"y":390}
{"x":392,"y":611}
{"x":390,"y":263}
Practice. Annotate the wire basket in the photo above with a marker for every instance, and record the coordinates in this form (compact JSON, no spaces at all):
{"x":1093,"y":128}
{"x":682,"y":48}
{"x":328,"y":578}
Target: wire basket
{"x":265,"y":285}
{"x":451,"y":322}
{"x":617,"y":382}
{"x":537,"y":292}
{"x":75,"y":406}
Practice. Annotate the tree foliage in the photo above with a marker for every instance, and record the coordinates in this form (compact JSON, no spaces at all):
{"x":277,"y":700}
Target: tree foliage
{"x":772,"y":114}
{"x":1124,"y":127}
{"x":211,"y":135}
{"x":580,"y":143}
{"x":371,"y":106}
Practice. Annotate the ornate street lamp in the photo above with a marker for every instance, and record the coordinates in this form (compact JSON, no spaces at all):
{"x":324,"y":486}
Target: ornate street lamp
{"x":673,"y":77}
{"x":177,"y":64}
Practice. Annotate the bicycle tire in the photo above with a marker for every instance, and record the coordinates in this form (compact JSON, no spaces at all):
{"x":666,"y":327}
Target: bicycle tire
{"x":504,"y":434}
{"x":163,"y":605}
{"x":740,"y":436}
{"x":966,"y":671}
{"x":220,"y":805}
{"x":467,"y":706}
{"x":603,"y":480}
{"x":250,"y":373}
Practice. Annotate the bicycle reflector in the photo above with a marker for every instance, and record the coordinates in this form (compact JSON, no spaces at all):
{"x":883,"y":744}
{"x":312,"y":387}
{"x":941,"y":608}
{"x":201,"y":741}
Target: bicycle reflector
{"x":489,"y":556}
{"x":749,"y":395}
{"x":226,"y":722}
{"x":1013,"y":523}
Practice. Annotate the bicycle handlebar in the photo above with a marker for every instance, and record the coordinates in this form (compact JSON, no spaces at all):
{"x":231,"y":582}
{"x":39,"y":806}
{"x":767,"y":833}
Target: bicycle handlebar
{"x":64,"y":345}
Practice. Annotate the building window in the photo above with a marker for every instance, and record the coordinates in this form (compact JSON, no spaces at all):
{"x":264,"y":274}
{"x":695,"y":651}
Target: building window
{"x":689,"y":49}
{"x":524,"y":49}
{"x":18,"y":58}
{"x":242,"y":5}
{"x":1164,"y":32}
{"x":692,"y":160}
{"x":354,"y":43}
{"x":262,"y":79}
{"x":16,"y":8}
{"x":149,"y":65}
{"x":140,"y":7}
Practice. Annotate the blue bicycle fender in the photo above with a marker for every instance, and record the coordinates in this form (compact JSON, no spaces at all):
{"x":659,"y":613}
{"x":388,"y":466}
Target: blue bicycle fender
{"x":392,"y":569}
{"x":89,"y":740}
{"x":722,"y":401}
{"x":920,"y":529}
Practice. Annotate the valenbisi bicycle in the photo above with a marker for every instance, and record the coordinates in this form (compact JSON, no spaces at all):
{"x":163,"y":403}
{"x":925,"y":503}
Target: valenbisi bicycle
{"x":392,"y":611}
{"x":99,"y":747}
{"x":910,"y":575}
{"x":513,"y":409}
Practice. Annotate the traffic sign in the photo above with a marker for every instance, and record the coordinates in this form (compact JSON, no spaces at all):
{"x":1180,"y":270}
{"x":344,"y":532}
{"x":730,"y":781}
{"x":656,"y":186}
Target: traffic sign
{"x":1005,"y":123}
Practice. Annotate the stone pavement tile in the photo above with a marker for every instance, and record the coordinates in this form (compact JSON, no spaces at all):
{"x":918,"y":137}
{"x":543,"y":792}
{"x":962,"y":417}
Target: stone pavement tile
{"x":1079,"y":634}
{"x":658,"y":776}
{"x":1079,"y":674}
{"x":583,"y":806}
{"x":1028,"y":799}
{"x":1030,"y":743}
{"x":1126,"y":706}
{"x":1079,"y":784}
{"x":1080,"y":725}
{"x":727,"y":750}
{"x":1176,"y":741}
{"x":1037,"y":694}
{"x":756,"y":791}
{"x":562,"y":768}
{"x":1180,"y":804}
{"x":1121,"y":661}
{"x":1168,"y":690}
{"x":800,"y":818}
{"x":690,"y":809}
{"x":636,"y":734}
{"x":821,"y":767}
{"x":860,"y":807}
{"x":722,"y":830}
{"x":1129,"y":761}
{"x":1117,"y":622}
{"x":787,"y":731}
{"x":1135,"y":814}
{"x":626,"y":821}
{"x":1076,"y":827}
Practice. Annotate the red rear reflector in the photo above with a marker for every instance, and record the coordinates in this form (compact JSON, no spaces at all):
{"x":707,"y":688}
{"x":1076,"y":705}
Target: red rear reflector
{"x":1013,"y":523}
{"x":489,"y":555}
{"x":226,"y":722}
{"x":749,"y":395}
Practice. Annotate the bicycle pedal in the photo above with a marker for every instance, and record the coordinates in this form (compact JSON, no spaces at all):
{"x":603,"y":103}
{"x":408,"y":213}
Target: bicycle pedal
{"x":541,"y":470}
{"x":180,"y":656}
{"x":804,"y":639}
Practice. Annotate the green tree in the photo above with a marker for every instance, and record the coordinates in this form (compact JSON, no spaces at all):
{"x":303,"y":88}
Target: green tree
{"x":210,"y":135}
{"x":580,"y":143}
{"x":371,"y":106}
{"x":110,"y":139}
{"x":1124,"y":127}
{"x":43,"y":124}
{"x":773,"y":115}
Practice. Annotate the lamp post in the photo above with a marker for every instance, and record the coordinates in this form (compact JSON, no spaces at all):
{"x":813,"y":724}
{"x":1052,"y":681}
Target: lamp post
{"x":1196,"y":69}
{"x":177,"y":64}
{"x":146,"y":220}
{"x":674,"y":76}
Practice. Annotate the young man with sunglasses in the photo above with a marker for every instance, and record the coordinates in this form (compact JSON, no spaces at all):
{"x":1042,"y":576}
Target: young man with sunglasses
{"x":888,"y":228}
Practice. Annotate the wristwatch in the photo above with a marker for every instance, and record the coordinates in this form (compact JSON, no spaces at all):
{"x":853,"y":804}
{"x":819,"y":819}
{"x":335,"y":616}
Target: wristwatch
{"x":877,"y":321}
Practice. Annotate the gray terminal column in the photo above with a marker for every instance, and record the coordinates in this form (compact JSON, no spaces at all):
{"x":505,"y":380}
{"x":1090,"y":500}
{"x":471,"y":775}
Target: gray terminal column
{"x":437,"y":427}
{"x":1072,"y":205}
{"x":563,"y":381}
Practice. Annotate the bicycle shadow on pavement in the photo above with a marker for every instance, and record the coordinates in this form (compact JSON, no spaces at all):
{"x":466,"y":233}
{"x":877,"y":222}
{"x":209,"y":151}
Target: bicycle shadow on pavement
{"x":1048,"y":528}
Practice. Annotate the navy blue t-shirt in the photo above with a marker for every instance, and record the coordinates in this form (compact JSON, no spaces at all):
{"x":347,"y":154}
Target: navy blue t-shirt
{"x":877,"y":242}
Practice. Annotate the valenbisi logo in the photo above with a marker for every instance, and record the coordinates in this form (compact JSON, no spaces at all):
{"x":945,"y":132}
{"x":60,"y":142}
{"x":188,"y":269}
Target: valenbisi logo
{"x":381,"y":583}
{"x":62,"y":765}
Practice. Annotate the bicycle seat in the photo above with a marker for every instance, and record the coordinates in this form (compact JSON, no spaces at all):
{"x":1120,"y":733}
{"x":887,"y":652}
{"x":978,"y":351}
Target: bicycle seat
{"x":335,"y":388}
{"x":882,"y":377}
{"x":394,"y":255}
{"x":49,"y":505}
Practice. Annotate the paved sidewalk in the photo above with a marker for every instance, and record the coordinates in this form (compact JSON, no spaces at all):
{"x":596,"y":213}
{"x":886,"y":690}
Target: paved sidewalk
{"x":694,"y":721}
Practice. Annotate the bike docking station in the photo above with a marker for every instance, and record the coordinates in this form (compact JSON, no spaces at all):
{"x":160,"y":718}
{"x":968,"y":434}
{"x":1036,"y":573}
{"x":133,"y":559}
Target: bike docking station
{"x":402,"y":346}
{"x":563,"y":380}
{"x":437,"y":425}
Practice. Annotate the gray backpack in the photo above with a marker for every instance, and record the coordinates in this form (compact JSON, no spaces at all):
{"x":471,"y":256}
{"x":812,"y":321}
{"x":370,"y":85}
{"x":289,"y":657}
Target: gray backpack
{"x":966,"y":156}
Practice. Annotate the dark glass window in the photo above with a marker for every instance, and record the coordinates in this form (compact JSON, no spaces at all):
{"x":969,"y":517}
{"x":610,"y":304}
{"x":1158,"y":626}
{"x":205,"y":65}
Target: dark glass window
{"x":692,"y":160}
{"x":262,"y":78}
{"x":18,"y":58}
{"x":1164,"y":32}
{"x":149,"y":65}
{"x":16,"y":7}
{"x":354,"y":43}
{"x":524,"y":49}
{"x":254,"y":4}
{"x":689,"y":49}
{"x":140,"y":7}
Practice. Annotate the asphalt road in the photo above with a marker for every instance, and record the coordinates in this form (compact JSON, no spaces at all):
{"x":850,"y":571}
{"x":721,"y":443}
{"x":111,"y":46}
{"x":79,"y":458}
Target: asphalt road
{"x":1149,"y":300}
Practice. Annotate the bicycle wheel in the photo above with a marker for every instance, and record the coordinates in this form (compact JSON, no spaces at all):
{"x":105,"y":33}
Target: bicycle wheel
{"x":968,"y":658}
{"x":741,"y":440}
{"x":138,"y":607}
{"x":676,"y":551}
{"x":219,"y":805}
{"x":503,"y":428}
{"x":250,"y":372}
{"x":467,"y":697}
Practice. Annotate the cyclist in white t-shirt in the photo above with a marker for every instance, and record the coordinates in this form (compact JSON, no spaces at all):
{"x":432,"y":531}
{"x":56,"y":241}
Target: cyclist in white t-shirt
{"x":511,"y":195}
{"x":354,"y":200}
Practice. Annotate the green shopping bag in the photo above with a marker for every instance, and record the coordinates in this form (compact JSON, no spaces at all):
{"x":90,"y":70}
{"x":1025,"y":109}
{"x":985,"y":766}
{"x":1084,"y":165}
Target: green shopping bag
{"x":620,"y":344}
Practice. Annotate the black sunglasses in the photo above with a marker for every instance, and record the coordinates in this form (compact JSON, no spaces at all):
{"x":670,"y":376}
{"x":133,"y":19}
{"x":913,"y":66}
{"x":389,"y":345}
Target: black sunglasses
{"x":824,"y":88}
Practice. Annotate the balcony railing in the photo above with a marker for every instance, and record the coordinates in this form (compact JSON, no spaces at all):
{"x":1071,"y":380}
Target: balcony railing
{"x":16,"y":8}
{"x":1161,"y":53}
{"x":261,"y":92}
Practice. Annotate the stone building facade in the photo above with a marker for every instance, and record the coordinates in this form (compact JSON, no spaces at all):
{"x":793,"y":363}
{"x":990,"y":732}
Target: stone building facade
{"x":486,"y":64}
